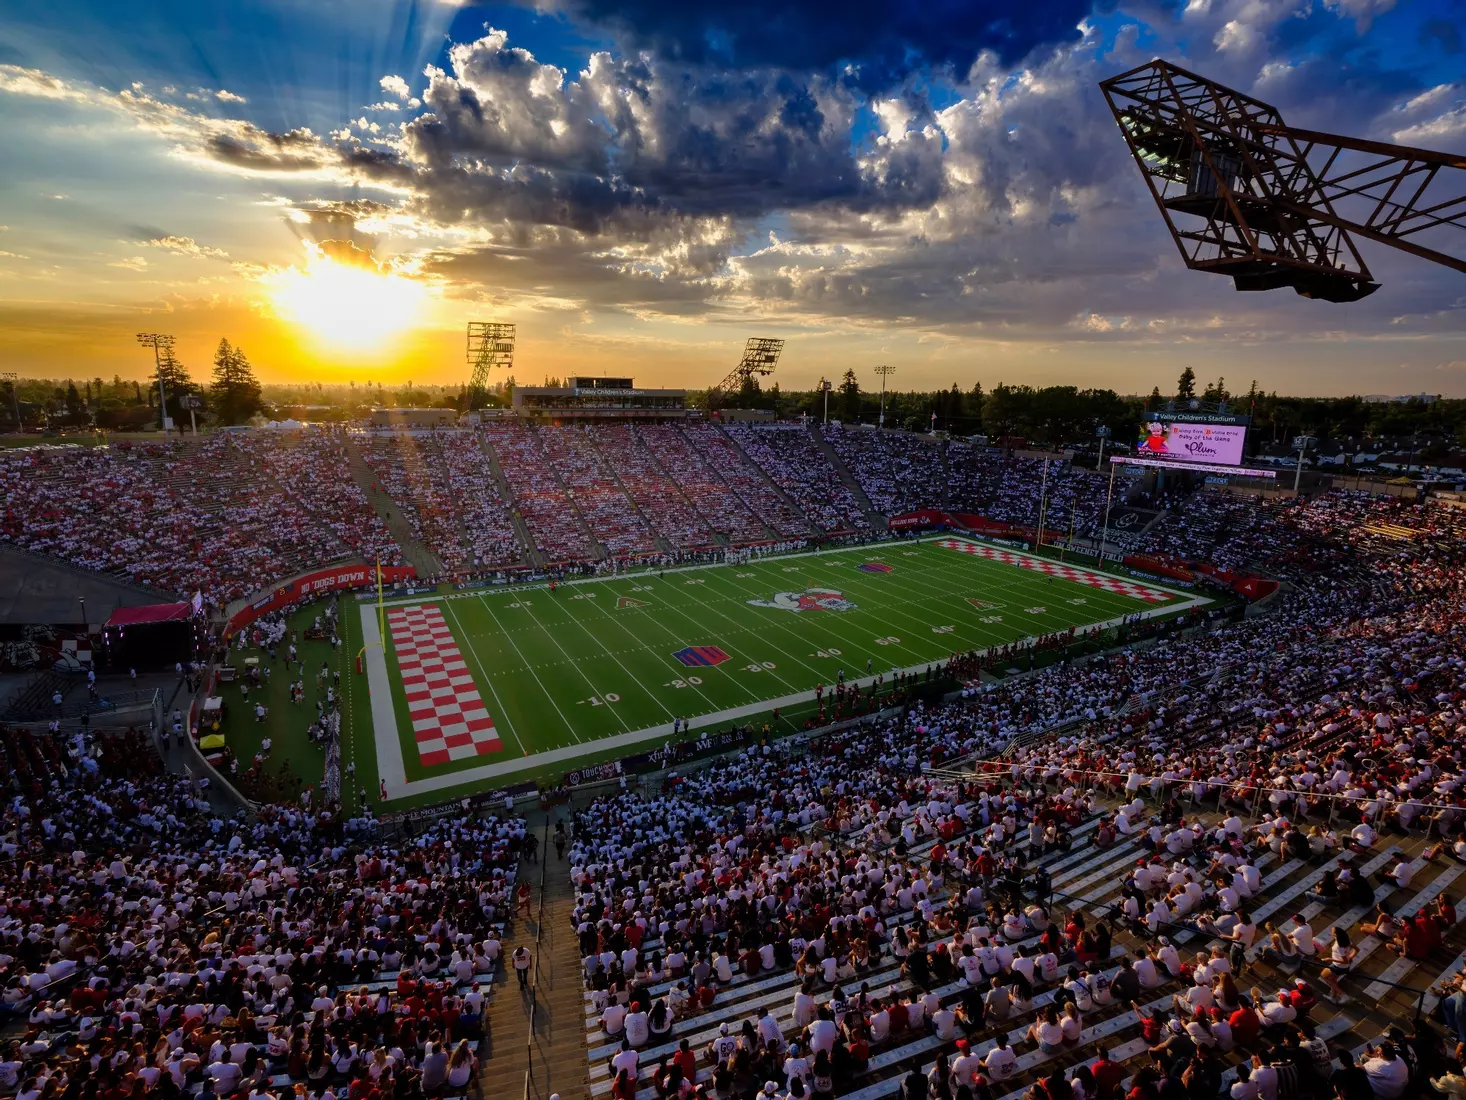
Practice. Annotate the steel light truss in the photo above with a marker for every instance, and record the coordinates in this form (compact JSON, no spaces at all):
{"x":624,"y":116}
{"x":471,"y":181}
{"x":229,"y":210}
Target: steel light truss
{"x":1246,"y":195}
{"x":490,"y":347}
{"x":760,"y":357}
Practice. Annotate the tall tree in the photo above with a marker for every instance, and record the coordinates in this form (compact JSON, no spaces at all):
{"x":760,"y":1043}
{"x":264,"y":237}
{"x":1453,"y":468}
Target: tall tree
{"x":850,"y":397}
{"x":176,"y":382}
{"x":235,"y":394}
{"x":1186,"y":384}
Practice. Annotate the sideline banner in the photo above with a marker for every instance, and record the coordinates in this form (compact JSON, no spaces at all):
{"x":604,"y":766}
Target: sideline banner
{"x":322,"y":580}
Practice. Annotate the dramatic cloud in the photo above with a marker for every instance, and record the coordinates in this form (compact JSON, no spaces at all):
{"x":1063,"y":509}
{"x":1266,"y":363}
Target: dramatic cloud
{"x":187,"y":246}
{"x":935,"y":166}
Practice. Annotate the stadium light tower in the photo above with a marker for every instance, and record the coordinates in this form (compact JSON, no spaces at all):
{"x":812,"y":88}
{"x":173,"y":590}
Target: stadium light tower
{"x":159,"y":342}
{"x":490,"y":347}
{"x":1302,"y":442}
{"x":885,"y":372}
{"x":1244,"y":194}
{"x":1104,"y":433}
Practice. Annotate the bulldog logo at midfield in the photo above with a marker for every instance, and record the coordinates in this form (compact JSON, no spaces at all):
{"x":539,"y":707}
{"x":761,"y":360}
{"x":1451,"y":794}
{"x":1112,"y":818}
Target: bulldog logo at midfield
{"x":811,"y":599}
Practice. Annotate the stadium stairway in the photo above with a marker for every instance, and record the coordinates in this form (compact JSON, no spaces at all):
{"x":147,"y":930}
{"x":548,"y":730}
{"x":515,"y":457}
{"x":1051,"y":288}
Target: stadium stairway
{"x":872,"y":517}
{"x":506,"y":494}
{"x":417,"y":555}
{"x":557,"y":1048}
{"x":759,"y":472}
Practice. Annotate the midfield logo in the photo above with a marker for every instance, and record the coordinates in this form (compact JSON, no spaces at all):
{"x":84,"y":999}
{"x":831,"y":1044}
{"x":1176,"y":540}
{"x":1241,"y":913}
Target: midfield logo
{"x":811,"y":599}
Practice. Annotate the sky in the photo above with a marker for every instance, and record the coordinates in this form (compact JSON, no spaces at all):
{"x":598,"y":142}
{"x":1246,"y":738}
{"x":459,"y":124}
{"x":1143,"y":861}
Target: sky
{"x":339,"y":186}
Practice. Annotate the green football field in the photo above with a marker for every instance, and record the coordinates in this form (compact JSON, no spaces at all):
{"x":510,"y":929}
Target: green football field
{"x":548,"y":677}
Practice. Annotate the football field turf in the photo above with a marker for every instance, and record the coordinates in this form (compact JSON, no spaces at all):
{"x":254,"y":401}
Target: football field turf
{"x":483,"y":683}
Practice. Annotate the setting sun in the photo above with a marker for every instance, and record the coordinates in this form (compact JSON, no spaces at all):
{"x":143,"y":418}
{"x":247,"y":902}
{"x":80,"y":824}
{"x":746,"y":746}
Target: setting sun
{"x":357,"y":304}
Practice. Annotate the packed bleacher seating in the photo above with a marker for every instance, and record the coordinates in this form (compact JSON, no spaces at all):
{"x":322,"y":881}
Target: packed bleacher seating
{"x":309,"y":465}
{"x":721,"y":455}
{"x":898,"y":471}
{"x":1251,"y":835}
{"x":705,"y":486}
{"x":657,"y":495}
{"x":151,"y":947}
{"x":539,"y":497}
{"x":611,"y":516}
{"x":409,"y":469}
{"x":210,"y":515}
{"x":788,"y":455}
{"x":487,"y":528}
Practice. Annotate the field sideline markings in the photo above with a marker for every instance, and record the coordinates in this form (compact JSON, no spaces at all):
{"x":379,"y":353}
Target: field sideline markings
{"x":872,"y":642}
{"x":607,"y":649}
{"x":820,"y":677}
{"x":678,"y":672}
{"x":915,"y":578}
{"x":570,"y":753}
{"x":499,"y":703}
{"x":858,"y":548}
{"x":533,"y":673}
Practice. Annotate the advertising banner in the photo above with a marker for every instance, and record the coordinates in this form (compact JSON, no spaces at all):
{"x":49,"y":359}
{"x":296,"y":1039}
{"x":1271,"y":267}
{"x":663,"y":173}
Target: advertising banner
{"x":1219,"y":444}
{"x":323,"y":580}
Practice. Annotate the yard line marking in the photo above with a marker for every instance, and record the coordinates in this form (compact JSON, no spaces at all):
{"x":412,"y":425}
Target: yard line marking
{"x":535,"y":674}
{"x":595,"y":691}
{"x":677,"y":671}
{"x":589,"y":633}
{"x":498,"y":702}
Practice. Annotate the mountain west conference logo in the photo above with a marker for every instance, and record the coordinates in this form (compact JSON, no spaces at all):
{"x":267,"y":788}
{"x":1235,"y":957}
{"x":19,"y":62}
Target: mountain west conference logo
{"x":811,"y":599}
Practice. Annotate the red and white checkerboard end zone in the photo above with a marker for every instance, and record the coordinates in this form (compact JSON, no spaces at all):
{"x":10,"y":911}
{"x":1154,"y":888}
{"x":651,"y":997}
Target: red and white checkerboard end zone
{"x":1059,"y":569}
{"x":448,"y":716}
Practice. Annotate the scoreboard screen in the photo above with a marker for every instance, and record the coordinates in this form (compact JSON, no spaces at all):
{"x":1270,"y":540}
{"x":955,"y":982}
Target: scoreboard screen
{"x":1181,"y":441}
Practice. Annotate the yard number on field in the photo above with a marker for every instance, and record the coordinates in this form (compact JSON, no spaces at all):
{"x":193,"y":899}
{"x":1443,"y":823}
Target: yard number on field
{"x":762,"y":666}
{"x":691,"y":681}
{"x":743,"y":574}
{"x":597,"y":700}
{"x":991,"y":619}
{"x":1078,"y":599}
{"x":584,"y":596}
{"x":1035,"y":610}
{"x":831,"y":652}
{"x":941,"y":630}
{"x":695,"y":580}
{"x":889,"y":639}
{"x":519,"y":603}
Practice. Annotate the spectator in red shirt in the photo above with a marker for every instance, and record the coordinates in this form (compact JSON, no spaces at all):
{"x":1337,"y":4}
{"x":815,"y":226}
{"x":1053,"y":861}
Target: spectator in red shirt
{"x":1108,"y":1076}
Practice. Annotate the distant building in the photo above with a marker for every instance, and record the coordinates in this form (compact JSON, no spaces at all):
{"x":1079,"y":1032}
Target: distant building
{"x":413,"y":418}
{"x":586,"y":398}
{"x":1387,"y":399}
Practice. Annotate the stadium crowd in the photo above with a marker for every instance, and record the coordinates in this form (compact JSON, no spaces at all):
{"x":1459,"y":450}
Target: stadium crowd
{"x":829,"y":921}
{"x":226,"y":515}
{"x":150,"y":947}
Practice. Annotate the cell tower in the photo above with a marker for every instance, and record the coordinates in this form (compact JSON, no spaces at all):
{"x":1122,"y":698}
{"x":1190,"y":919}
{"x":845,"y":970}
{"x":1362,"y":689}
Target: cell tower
{"x":490,"y":347}
{"x":760,"y":357}
{"x":1246,"y":195}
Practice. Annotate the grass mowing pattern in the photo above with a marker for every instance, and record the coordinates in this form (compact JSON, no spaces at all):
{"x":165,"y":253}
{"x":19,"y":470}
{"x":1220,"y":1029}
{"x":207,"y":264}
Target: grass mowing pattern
{"x":593,"y":659}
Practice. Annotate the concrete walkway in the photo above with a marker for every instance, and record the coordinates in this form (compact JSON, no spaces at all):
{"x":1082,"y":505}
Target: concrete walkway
{"x":555,"y":1053}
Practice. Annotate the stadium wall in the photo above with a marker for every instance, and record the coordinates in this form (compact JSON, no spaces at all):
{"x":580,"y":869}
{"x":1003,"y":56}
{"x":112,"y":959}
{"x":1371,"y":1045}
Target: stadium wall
{"x":313,"y":584}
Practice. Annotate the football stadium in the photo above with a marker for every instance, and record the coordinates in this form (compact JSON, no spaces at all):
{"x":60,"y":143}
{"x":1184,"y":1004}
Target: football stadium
{"x":942,"y":693}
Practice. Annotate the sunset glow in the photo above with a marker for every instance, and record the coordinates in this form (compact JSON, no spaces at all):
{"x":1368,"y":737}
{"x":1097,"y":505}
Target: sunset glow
{"x":346,"y":306}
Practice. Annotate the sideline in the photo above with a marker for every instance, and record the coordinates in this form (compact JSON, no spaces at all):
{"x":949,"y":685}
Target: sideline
{"x":390,"y":769}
